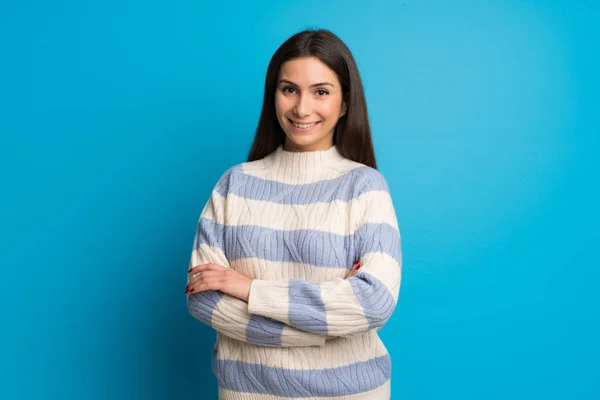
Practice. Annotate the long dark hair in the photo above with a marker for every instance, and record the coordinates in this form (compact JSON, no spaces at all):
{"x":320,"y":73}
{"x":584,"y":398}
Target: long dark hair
{"x":352,"y":135}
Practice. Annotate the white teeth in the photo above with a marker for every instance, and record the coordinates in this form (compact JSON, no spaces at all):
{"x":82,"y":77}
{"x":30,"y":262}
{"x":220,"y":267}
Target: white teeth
{"x":303,"y":126}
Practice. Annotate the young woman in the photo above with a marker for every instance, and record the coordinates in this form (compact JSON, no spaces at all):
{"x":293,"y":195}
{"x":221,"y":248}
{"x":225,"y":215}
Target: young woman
{"x":296,"y":261}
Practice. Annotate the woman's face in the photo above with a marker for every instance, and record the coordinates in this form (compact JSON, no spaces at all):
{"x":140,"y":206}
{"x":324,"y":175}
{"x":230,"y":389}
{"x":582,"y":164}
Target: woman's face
{"x":308,"y":93}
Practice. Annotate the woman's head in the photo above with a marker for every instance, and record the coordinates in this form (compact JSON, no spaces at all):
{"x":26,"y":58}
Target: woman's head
{"x":308,"y":103}
{"x":313,"y":77}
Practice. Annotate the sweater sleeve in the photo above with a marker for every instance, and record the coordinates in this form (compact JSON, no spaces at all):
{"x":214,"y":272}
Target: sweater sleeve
{"x":223,"y":312}
{"x":344,"y":307}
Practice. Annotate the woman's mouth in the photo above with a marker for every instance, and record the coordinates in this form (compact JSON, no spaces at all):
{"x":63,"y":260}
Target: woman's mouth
{"x":304,"y":127}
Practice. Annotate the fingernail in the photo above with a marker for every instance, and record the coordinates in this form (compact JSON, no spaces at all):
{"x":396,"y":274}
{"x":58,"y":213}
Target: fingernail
{"x":191,"y":290}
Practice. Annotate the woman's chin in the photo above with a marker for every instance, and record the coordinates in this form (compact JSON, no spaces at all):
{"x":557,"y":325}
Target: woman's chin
{"x":300,"y":139}
{"x":306,"y":142}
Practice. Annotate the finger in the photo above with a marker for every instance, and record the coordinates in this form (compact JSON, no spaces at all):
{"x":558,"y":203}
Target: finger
{"x":211,"y":284}
{"x":352,"y":272}
{"x":204,"y":267}
{"x":205,"y":275}
{"x":203,"y":278}
{"x":199,"y":268}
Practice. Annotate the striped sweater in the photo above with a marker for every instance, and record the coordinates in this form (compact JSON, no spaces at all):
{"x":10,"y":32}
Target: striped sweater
{"x":295,"y":223}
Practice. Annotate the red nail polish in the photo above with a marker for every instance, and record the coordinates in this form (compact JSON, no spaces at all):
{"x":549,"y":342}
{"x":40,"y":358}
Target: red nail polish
{"x":191,"y":290}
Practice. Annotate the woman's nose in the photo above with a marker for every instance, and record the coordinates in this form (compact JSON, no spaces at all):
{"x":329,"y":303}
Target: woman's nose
{"x":303,"y":106}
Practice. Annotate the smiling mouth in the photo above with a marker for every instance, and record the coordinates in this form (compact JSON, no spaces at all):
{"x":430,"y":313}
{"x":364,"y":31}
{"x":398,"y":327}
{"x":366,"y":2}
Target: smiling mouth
{"x":304,"y":126}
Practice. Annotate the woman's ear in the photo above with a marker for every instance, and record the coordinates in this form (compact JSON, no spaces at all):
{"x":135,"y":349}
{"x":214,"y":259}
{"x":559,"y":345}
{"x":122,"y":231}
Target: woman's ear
{"x":344,"y":109}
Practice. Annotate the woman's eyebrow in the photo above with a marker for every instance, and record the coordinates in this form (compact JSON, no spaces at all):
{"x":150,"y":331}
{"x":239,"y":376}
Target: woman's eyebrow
{"x":316,"y":84}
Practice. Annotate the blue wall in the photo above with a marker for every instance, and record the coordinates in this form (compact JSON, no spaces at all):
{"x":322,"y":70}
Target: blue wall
{"x":117,"y":118}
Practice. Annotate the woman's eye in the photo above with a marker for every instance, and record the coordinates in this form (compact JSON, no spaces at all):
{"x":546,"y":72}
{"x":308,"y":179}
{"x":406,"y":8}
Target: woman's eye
{"x":290,"y":90}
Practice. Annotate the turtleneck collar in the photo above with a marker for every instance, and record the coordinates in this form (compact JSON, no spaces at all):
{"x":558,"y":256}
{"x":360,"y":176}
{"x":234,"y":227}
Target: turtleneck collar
{"x":299,"y":163}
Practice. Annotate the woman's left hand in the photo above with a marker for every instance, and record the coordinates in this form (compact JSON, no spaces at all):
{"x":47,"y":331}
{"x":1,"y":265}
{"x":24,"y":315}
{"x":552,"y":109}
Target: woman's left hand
{"x":216,"y":277}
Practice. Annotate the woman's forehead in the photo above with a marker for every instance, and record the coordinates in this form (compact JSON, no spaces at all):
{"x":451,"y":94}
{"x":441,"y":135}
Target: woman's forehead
{"x":307,"y":71}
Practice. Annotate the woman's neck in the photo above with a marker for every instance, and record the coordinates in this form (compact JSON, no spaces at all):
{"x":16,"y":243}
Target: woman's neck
{"x":300,"y":163}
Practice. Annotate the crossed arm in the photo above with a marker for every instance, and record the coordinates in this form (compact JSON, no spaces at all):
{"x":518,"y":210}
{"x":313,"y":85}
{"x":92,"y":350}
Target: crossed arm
{"x":218,"y":296}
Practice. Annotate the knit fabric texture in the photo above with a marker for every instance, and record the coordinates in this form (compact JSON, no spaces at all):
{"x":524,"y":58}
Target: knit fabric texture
{"x":295,"y":223}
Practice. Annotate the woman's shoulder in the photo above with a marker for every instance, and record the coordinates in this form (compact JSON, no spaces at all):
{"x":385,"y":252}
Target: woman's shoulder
{"x":366,"y":177}
{"x":239,"y":174}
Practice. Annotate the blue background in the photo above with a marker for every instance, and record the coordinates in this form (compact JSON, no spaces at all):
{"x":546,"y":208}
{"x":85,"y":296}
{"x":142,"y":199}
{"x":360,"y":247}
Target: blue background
{"x":118,"y":117}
